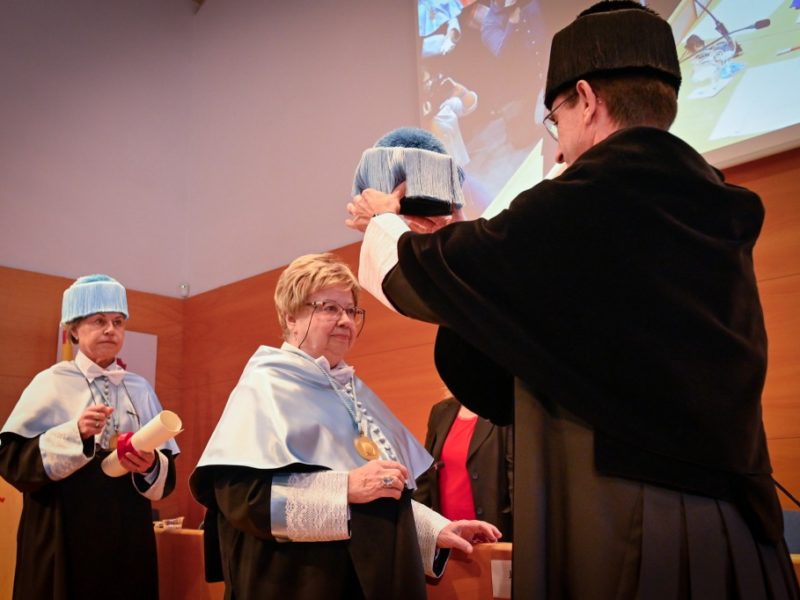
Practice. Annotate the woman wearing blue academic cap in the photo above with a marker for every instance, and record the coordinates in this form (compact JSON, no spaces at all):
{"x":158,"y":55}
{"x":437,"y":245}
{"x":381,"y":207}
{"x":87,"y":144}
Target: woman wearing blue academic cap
{"x":83,"y":534}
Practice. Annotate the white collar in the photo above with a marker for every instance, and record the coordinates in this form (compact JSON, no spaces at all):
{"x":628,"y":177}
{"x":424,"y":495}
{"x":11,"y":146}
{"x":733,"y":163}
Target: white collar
{"x":342,"y":372}
{"x":92,"y":370}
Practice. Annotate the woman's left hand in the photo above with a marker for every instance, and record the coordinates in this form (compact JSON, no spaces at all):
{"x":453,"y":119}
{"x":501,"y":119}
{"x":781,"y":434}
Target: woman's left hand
{"x":461,"y":535}
{"x":139,"y":461}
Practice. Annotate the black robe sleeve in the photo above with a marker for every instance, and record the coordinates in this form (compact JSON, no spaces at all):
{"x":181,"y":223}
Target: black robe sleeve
{"x":21,"y":462}
{"x":242,"y":495}
{"x":21,"y":465}
{"x":142,"y":485}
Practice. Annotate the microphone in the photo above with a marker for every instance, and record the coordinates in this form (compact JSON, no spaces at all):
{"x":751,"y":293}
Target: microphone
{"x":695,"y":44}
{"x":760,"y":24}
{"x":718,"y":25}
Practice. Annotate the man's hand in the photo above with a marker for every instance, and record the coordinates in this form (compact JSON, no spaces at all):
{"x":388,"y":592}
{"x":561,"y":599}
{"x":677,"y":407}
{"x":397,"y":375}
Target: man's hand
{"x":371,"y":202}
{"x":431,"y":224}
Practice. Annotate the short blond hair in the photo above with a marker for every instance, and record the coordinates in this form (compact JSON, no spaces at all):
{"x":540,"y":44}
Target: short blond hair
{"x":307,"y":275}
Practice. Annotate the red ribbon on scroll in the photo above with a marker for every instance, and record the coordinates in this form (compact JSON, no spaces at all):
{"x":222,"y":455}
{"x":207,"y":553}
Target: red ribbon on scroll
{"x":124,"y":444}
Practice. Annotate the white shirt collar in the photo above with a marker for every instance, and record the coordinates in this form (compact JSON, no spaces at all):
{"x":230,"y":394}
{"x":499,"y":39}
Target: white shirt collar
{"x":92,"y":370}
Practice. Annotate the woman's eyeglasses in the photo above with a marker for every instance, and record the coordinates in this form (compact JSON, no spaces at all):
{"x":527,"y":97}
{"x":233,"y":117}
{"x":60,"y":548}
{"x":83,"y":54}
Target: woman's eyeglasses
{"x":330,"y":309}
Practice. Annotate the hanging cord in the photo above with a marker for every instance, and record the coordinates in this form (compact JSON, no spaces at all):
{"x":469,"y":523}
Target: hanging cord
{"x":785,"y":491}
{"x":300,"y":345}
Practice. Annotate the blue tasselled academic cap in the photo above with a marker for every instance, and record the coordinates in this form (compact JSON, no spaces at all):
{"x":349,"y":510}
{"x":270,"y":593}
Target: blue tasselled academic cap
{"x":433,"y":179}
{"x":93,"y":294}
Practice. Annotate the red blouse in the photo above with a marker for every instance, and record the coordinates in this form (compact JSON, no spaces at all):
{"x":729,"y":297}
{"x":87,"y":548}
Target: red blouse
{"x":455,"y":488}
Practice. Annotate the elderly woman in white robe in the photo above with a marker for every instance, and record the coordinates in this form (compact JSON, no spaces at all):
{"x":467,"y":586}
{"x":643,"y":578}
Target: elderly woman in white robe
{"x":308,"y":476}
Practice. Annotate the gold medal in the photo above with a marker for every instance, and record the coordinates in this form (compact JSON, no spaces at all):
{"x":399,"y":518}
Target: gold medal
{"x":112,"y":442}
{"x":366,"y":448}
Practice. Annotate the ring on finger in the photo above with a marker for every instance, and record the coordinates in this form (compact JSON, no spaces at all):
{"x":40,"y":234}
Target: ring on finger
{"x":388,"y":481}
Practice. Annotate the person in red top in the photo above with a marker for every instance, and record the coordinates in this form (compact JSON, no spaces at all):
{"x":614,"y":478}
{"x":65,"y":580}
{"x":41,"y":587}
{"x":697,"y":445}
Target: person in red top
{"x":473,"y":469}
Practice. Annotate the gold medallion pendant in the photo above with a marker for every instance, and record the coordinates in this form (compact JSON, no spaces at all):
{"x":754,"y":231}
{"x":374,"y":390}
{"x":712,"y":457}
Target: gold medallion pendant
{"x":366,"y":448}
{"x":112,"y":441}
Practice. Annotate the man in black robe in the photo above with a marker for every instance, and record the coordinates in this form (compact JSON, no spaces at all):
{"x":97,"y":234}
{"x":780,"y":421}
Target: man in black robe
{"x":616,"y":310}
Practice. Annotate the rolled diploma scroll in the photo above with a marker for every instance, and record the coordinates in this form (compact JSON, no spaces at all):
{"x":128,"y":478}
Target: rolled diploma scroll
{"x":164,"y":426}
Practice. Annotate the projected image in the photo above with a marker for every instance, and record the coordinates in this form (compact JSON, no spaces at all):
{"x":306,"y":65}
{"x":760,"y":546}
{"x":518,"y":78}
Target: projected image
{"x":740,"y":62}
{"x":482,"y":69}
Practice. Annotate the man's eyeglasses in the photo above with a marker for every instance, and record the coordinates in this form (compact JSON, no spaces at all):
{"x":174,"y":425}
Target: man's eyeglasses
{"x":549,"y":123}
{"x":329,"y":309}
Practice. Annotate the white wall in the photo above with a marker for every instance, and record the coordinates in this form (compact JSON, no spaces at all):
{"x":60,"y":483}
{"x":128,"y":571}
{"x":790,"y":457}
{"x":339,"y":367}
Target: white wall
{"x":286,"y":96}
{"x":93,"y":135}
{"x":140,"y":139}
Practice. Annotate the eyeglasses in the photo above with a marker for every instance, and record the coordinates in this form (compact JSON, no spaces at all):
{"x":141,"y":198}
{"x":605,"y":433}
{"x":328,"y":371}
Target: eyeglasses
{"x":330,"y":309}
{"x":550,"y":124}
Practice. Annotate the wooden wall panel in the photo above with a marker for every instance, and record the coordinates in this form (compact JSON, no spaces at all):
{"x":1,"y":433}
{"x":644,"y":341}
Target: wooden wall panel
{"x":781,"y":300}
{"x":202,"y":408}
{"x":30,"y":311}
{"x":777,"y":180}
{"x":10,"y":510}
{"x":777,"y":259}
{"x":784,"y":453}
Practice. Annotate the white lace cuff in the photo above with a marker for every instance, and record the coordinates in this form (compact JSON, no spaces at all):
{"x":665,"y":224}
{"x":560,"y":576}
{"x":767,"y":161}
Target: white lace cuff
{"x":62,"y":450}
{"x":429,"y":523}
{"x":310,"y":507}
{"x":379,"y":253}
{"x":156,"y":479}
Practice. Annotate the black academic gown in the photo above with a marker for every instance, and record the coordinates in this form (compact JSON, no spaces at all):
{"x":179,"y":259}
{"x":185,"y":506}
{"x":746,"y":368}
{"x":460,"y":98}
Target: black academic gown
{"x":85,"y":536}
{"x":381,"y":560}
{"x":623,"y":295}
